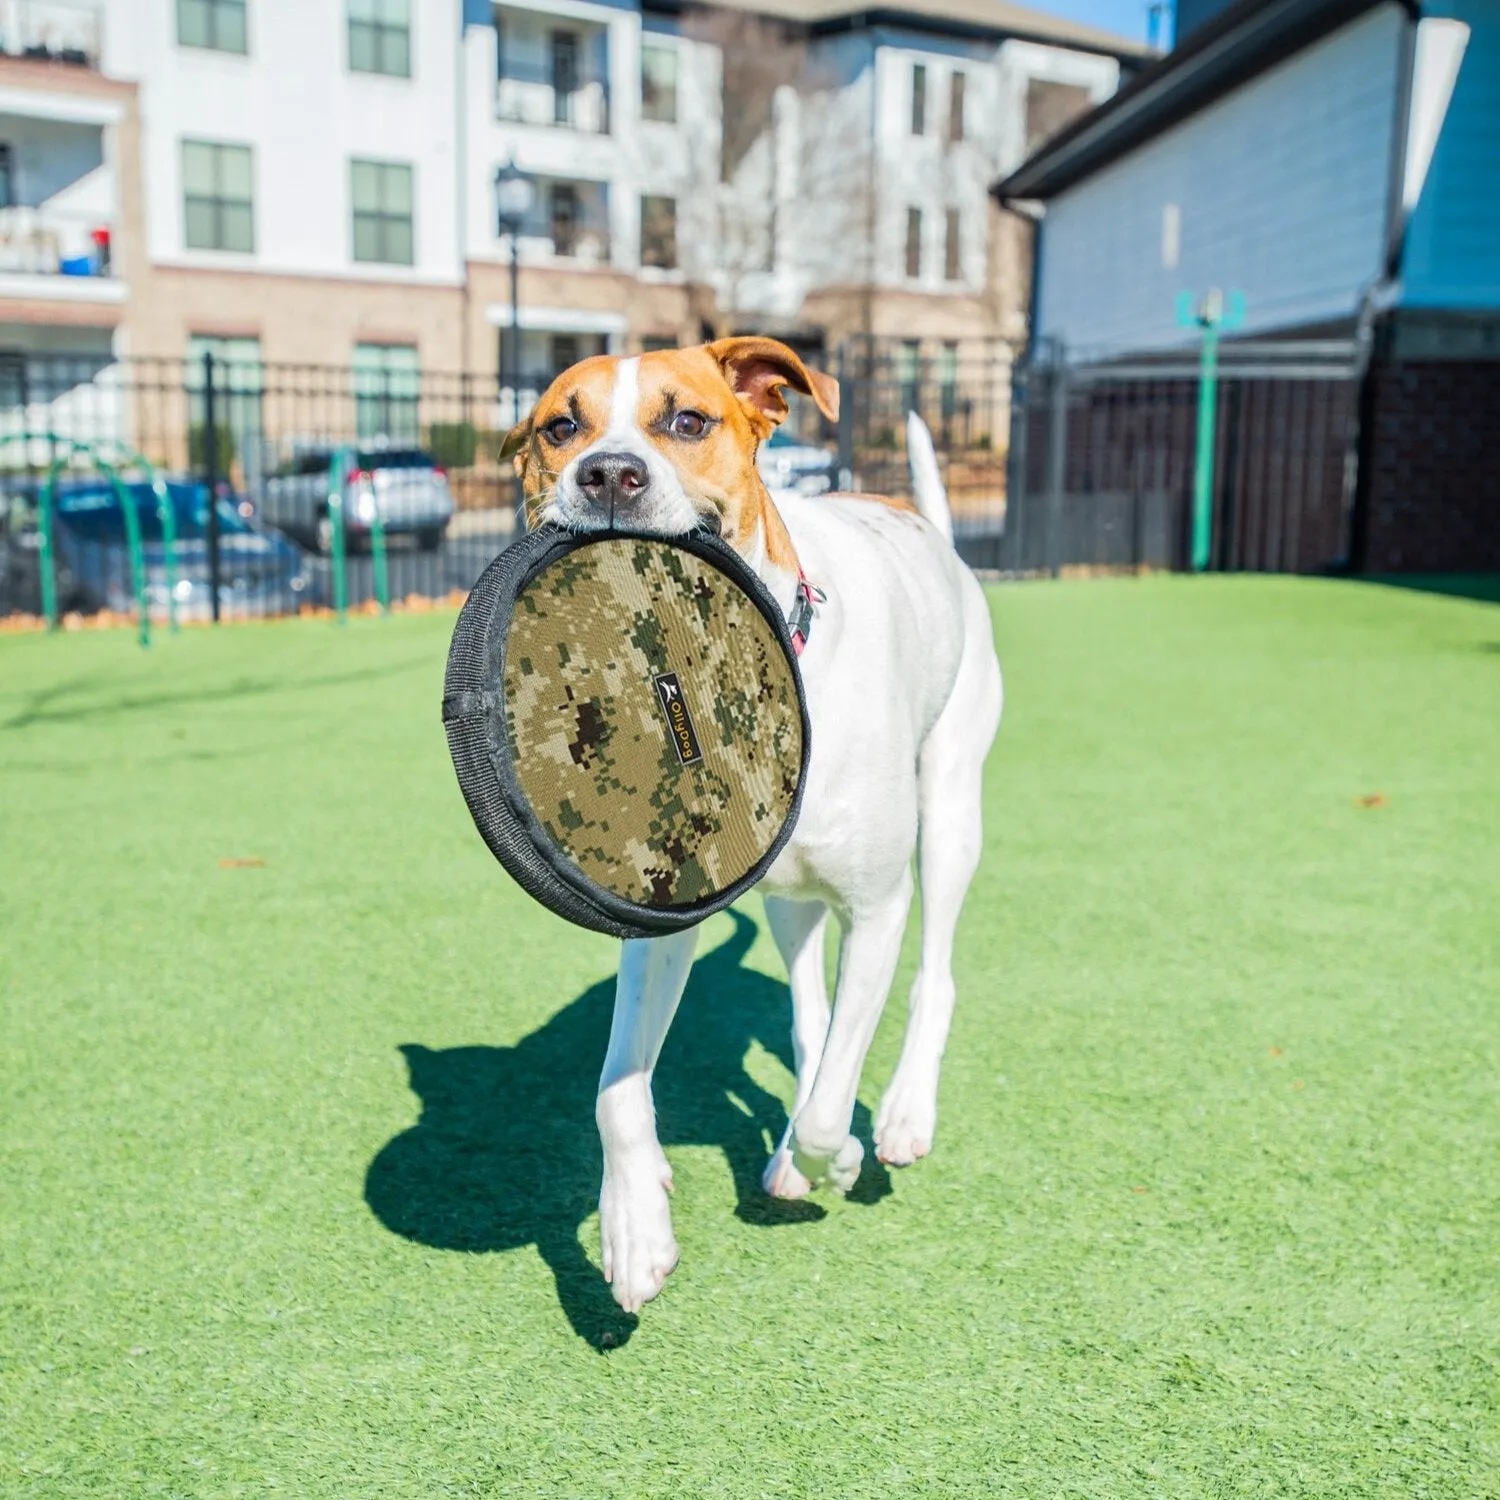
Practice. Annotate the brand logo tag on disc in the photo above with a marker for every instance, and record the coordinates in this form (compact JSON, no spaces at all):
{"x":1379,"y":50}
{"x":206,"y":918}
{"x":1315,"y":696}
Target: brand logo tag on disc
{"x":679,"y":721}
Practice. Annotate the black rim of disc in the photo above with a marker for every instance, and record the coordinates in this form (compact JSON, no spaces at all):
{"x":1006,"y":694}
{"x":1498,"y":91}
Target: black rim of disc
{"x":473,"y":702}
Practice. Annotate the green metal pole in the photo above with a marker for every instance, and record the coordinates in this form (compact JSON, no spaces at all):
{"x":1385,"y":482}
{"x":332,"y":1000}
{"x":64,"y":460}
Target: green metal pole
{"x":46,"y":530}
{"x":1203,"y":468}
{"x":133,"y":541}
{"x":338,"y":468}
{"x":166,"y":513}
{"x":47,"y":555}
{"x":46,"y":548}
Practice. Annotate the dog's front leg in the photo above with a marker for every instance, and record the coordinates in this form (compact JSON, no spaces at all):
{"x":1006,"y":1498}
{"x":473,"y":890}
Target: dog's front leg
{"x":635,"y":1223}
{"x":822,"y":1148}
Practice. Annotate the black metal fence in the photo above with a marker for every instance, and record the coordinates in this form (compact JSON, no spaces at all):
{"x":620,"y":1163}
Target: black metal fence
{"x":1102,"y":460}
{"x":1057,"y":463}
{"x":418,"y":449}
{"x":962,"y":390}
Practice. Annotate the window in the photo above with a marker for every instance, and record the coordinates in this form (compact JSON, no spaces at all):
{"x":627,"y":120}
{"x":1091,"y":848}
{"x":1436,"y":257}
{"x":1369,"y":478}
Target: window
{"x":659,"y":232}
{"x":652,"y":342}
{"x":918,"y":99}
{"x":914,"y":242}
{"x":381,"y":192}
{"x":658,"y":83}
{"x":564,"y":53}
{"x":7,"y":176}
{"x":387,"y":392}
{"x":909,"y":373}
{"x":567,"y":350}
{"x":217,"y":24}
{"x":238,"y":386}
{"x":956,"y":86}
{"x":564,"y":212}
{"x":952,"y":261}
{"x":380,"y":37}
{"x":218,"y":200}
{"x":948,"y":379}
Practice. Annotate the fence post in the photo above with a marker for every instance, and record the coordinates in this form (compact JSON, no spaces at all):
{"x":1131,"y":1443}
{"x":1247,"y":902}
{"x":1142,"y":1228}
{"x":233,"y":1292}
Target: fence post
{"x":377,"y":552}
{"x":1015,"y":465}
{"x":1057,"y":449}
{"x":846,"y":420}
{"x":211,"y":480}
{"x":167,"y":516}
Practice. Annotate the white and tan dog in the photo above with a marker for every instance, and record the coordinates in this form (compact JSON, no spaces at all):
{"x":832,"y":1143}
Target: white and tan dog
{"x":904,"y":693}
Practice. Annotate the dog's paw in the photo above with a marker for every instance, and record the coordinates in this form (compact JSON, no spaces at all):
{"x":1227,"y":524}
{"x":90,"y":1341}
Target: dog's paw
{"x":781,"y":1179}
{"x":635,"y":1234}
{"x":838,"y":1169}
{"x":904,"y":1124}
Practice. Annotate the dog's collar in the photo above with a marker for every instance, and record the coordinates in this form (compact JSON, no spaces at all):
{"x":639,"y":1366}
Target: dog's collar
{"x":801,"y":618}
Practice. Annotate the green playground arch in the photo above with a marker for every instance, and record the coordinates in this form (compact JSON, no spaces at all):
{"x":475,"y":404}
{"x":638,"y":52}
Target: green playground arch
{"x":122,"y":457}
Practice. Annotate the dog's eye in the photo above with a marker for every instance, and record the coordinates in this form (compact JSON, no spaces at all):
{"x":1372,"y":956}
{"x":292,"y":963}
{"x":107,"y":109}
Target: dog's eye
{"x":559,"y":430}
{"x":689,"y":424}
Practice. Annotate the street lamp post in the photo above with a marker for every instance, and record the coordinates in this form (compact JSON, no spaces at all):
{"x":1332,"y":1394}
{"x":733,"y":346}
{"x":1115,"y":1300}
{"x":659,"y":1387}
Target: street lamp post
{"x":515,"y":196}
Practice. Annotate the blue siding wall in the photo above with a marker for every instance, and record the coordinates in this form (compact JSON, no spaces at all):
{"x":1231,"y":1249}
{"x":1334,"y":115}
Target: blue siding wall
{"x":1452,"y":256}
{"x":1282,"y":187}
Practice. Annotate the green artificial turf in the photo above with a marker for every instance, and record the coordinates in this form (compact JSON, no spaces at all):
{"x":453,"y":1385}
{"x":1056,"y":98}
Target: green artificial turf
{"x":297,"y":1159}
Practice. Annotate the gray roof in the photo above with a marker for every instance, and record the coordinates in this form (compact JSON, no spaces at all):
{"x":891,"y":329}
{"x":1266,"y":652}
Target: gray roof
{"x":975,"y":18}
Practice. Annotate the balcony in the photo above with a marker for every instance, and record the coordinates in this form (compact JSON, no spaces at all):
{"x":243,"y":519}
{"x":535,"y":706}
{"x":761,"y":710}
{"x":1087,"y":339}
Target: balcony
{"x":534,"y":97}
{"x":67,"y":31}
{"x":58,"y":202}
{"x":52,"y":242}
{"x":570,"y":221}
{"x":551,"y":74}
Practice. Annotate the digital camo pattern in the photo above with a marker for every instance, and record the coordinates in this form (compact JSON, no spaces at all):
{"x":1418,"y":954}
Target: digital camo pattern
{"x":592,"y":746}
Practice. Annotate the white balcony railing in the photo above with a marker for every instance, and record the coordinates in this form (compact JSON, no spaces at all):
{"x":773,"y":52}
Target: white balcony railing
{"x":586,"y":245}
{"x":56,"y":30}
{"x":49,"y":242}
{"x":524,"y":98}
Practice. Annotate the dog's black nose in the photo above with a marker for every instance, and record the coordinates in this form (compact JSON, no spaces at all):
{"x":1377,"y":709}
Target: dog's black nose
{"x":613,"y":479}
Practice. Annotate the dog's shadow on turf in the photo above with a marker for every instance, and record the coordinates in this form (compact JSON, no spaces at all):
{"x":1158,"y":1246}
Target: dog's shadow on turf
{"x":506,"y":1153}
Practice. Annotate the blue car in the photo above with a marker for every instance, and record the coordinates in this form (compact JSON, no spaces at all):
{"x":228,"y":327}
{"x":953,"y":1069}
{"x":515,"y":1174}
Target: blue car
{"x":261,"y":572}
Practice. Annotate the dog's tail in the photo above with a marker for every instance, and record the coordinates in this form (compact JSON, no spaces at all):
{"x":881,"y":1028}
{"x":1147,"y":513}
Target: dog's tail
{"x":926,"y":477}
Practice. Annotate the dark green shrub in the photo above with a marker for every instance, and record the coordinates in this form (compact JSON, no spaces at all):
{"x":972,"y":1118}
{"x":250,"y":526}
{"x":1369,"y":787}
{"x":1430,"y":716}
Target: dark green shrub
{"x":453,"y":444}
{"x":223,"y":447}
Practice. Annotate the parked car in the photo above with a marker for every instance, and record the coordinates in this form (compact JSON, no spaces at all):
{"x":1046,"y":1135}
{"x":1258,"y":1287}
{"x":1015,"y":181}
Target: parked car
{"x":804,"y":469}
{"x":406,"y":487}
{"x":260,"y":571}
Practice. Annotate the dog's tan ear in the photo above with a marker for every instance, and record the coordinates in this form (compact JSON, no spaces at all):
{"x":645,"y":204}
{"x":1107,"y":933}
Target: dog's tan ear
{"x":515,"y":440}
{"x":758,"y":370}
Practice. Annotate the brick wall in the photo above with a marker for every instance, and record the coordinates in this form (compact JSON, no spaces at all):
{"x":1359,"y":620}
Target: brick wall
{"x":1432,"y":467}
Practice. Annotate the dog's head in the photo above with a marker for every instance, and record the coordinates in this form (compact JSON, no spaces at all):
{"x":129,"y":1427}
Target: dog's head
{"x":663,"y":442}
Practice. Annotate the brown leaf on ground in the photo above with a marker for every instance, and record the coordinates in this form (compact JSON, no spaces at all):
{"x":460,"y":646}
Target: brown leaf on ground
{"x":1297,"y":1083}
{"x":242,"y":864}
{"x":1139,"y":1190}
{"x":1275,"y":1051}
{"x":1372,"y":799}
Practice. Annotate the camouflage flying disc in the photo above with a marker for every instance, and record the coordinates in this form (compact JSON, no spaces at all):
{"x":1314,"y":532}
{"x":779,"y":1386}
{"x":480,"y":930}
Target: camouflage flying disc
{"x":627,"y":722}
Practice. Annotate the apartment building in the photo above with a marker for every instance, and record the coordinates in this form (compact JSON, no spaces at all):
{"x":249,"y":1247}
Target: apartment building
{"x":293,"y":182}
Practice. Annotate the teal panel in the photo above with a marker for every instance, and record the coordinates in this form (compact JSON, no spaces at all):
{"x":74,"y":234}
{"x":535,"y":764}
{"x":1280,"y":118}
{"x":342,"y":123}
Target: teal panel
{"x":1452,"y":256}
